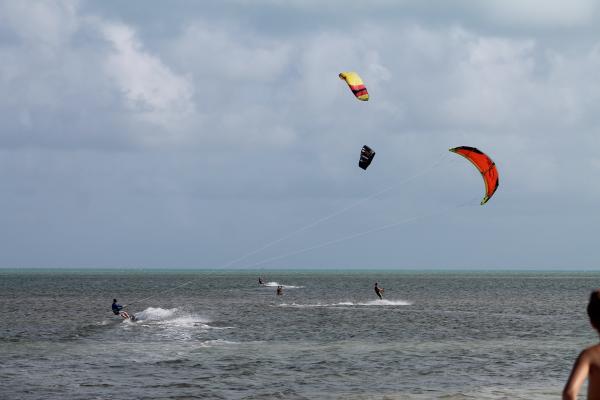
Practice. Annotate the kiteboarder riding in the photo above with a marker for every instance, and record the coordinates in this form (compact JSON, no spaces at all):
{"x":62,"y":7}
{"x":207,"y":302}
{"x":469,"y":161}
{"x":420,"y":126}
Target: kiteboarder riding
{"x":378,"y":290}
{"x":116,"y":309}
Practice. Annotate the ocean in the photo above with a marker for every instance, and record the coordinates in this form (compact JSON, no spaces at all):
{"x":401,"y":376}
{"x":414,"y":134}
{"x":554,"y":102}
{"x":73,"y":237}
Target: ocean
{"x":220,"y":335}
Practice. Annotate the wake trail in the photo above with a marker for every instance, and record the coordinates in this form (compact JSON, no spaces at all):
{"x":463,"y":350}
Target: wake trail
{"x":342,"y":304}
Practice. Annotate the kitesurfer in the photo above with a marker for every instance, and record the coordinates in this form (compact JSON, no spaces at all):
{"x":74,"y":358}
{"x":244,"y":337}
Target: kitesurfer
{"x":260,"y":281}
{"x":279,"y":290}
{"x":116,"y":309}
{"x":378,"y":290}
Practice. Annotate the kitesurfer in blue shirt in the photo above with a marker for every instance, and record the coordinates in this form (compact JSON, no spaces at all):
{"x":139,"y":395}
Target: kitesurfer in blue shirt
{"x":116,"y":308}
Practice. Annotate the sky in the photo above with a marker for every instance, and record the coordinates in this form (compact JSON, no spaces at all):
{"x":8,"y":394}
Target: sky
{"x":217,"y":134}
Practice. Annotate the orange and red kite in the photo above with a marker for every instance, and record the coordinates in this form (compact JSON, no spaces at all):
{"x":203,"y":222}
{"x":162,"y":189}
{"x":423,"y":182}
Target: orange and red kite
{"x":486,"y":167}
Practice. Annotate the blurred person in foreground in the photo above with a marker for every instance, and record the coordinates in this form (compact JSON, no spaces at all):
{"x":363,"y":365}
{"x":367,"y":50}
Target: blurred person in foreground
{"x":587,"y":364}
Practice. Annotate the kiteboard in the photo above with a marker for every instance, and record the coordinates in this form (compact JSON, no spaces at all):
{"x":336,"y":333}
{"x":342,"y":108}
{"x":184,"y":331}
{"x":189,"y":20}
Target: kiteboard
{"x":125,"y":315}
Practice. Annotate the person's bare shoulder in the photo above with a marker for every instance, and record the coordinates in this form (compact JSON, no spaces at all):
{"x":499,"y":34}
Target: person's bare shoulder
{"x":592,"y":355}
{"x":592,"y":350}
{"x":590,"y":358}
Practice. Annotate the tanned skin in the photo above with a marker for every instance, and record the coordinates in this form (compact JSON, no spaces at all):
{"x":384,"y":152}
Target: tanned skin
{"x":587,"y":364}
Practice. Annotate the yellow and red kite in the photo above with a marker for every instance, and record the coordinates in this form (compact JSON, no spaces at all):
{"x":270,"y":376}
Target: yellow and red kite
{"x":355,"y":84}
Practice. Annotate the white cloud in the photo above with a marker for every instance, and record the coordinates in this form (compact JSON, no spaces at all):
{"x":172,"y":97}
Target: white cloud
{"x":211,"y":51}
{"x":151,"y":88}
{"x":492,"y":79}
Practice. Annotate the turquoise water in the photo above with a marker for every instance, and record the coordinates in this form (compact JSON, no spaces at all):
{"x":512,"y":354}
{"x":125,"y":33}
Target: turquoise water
{"x":450,"y":335}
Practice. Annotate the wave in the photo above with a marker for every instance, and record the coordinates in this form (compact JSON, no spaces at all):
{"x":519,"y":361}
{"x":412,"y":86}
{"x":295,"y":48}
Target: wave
{"x":169,"y":317}
{"x":275,"y":284}
{"x":350,"y":303}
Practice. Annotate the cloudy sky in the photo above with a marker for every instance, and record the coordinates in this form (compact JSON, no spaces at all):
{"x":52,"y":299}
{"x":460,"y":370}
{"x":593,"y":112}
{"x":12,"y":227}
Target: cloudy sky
{"x":191,"y":134}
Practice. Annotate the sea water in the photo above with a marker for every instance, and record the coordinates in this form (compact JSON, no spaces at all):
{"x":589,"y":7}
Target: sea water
{"x":220,"y":335}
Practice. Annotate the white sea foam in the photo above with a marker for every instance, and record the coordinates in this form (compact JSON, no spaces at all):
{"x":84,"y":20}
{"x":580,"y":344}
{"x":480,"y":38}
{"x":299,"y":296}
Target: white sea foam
{"x":170,"y":317}
{"x":350,"y":304}
{"x":156,"y":314}
{"x":275,"y":284}
{"x":217,"y":342}
{"x":386,"y":303}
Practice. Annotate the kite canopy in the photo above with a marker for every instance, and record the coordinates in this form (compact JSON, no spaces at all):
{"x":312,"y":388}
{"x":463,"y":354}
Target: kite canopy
{"x":486,"y":167}
{"x":355,"y":84}
{"x":366,"y":156}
